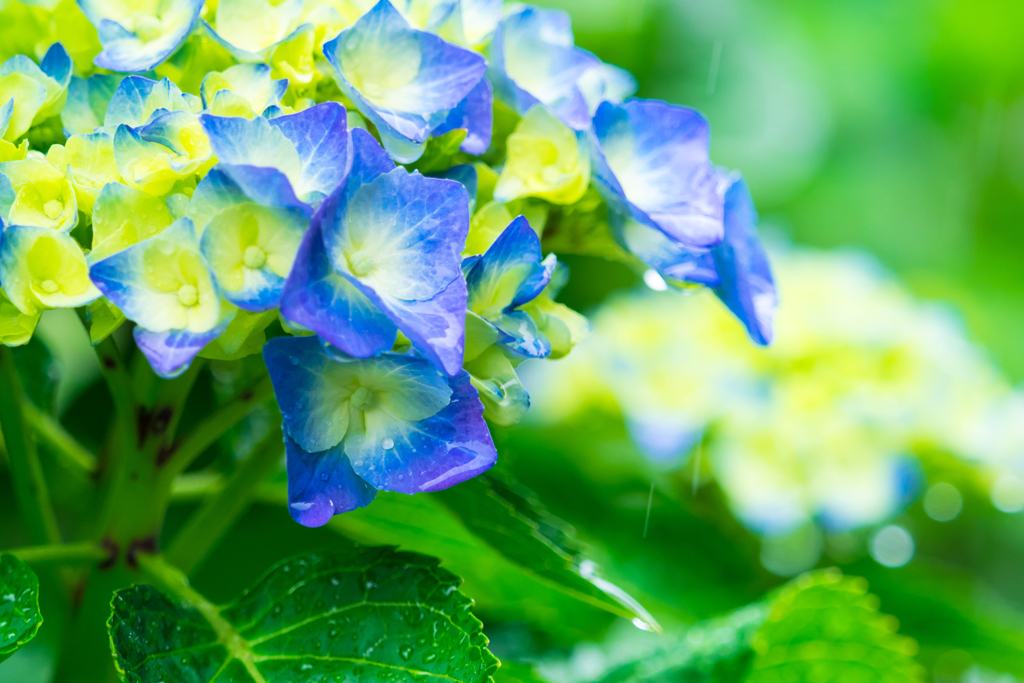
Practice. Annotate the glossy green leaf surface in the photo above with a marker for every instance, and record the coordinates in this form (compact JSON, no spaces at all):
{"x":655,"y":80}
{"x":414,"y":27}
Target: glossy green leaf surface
{"x":373,"y":615}
{"x":826,"y":627}
{"x":19,"y":605}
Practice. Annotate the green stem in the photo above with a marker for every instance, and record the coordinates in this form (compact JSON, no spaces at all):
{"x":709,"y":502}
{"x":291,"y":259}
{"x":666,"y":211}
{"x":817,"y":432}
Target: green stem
{"x":53,"y":434}
{"x":27,"y":474}
{"x":191,"y":446}
{"x":69,"y":552}
{"x":219,"y":513}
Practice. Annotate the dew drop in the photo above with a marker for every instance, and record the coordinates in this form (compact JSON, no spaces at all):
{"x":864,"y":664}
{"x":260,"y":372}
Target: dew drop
{"x":405,"y":652}
{"x":388,"y":444}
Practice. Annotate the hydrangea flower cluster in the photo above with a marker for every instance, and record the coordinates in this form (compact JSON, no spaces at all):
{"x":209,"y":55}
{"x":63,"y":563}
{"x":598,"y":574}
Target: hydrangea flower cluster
{"x":327,"y":173}
{"x":825,"y":425}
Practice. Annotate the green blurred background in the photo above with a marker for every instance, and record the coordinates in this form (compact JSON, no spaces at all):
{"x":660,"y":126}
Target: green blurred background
{"x":894,"y":126}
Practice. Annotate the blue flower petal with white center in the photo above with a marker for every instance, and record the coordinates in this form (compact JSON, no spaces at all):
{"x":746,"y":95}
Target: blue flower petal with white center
{"x":318,"y":299}
{"x":651,"y":161}
{"x":475,"y":115}
{"x":137,"y":98}
{"x":746,"y":285}
{"x":250,"y":246}
{"x":403,"y":80}
{"x":164,"y":284}
{"x":86,"y":106}
{"x":321,"y":485}
{"x":321,"y":300}
{"x":403,"y":425}
{"x":399,"y":238}
{"x":139,"y":37}
{"x":534,"y":60}
{"x":309,"y":149}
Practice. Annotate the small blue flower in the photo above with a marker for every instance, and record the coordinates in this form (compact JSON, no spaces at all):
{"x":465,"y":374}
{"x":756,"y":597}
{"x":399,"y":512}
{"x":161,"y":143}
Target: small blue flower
{"x":290,"y":161}
{"x":137,"y":99}
{"x":745,"y":283}
{"x":166,"y":287}
{"x":534,"y":60}
{"x":31,"y":93}
{"x":383,"y":254}
{"x":169,"y":148}
{"x":245,"y":90}
{"x":392,"y":422}
{"x":249,"y":245}
{"x":508,"y":275}
{"x":403,"y":80}
{"x":138,"y":38}
{"x":651,"y":162}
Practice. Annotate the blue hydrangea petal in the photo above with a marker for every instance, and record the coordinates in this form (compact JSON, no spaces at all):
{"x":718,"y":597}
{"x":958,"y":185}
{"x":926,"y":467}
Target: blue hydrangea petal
{"x":510,"y":273}
{"x":522,"y":335}
{"x":430,"y":455}
{"x":321,"y":485}
{"x":318,"y":299}
{"x":128,"y":51}
{"x":146,"y":281}
{"x":651,"y":158}
{"x":320,"y":137}
{"x":401,"y":234}
{"x":747,"y":286}
{"x":403,"y":80}
{"x":86,"y":106}
{"x":465,"y":174}
{"x":250,"y":247}
{"x":57,"y":65}
{"x":137,"y":98}
{"x":268,"y":186}
{"x":533,"y":60}
{"x":436,"y":327}
{"x":238,"y":141}
{"x":171,"y":352}
{"x":369,"y":160}
{"x":606,"y":83}
{"x":475,"y":114}
{"x":659,"y":251}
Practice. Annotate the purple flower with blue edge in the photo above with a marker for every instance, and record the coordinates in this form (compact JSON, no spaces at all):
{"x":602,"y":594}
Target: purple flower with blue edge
{"x":391,"y":422}
{"x":405,"y":81}
{"x":534,"y":60}
{"x":382,"y":254}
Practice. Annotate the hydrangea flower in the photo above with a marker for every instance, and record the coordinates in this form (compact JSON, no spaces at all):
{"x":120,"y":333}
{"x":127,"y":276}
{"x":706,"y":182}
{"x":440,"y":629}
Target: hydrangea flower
{"x":16,"y":328}
{"x":137,"y":100}
{"x":546,"y":159}
{"x":122,"y":217}
{"x":651,"y":162}
{"x":534,"y":61}
{"x":32,"y":192}
{"x":170,"y":148}
{"x":245,"y":90}
{"x":289,"y":161}
{"x":88,"y":162}
{"x":87,"y":102}
{"x":383,"y":254}
{"x":249,"y":29}
{"x":403,"y":80}
{"x":139,"y":36}
{"x":392,"y":422}
{"x":166,"y":287}
{"x":43,"y":268}
{"x":31,"y":93}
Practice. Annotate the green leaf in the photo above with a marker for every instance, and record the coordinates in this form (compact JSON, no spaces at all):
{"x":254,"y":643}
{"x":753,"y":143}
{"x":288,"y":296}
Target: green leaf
{"x":440,"y":152}
{"x":374,"y":615}
{"x":827,"y":627}
{"x":19,"y":605}
{"x":511,"y":520}
{"x":103,"y":318}
{"x":716,"y":650}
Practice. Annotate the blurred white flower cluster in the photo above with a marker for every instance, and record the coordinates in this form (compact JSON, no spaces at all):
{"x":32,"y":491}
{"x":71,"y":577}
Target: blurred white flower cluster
{"x":822,"y":425}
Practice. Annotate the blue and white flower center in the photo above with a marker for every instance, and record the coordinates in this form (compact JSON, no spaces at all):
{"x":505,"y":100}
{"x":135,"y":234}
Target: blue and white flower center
{"x":362,"y":399}
{"x":361,"y":263}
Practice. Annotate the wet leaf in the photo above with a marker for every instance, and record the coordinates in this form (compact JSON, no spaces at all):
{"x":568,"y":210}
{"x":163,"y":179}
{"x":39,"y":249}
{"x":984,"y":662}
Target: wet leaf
{"x":19,"y":605}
